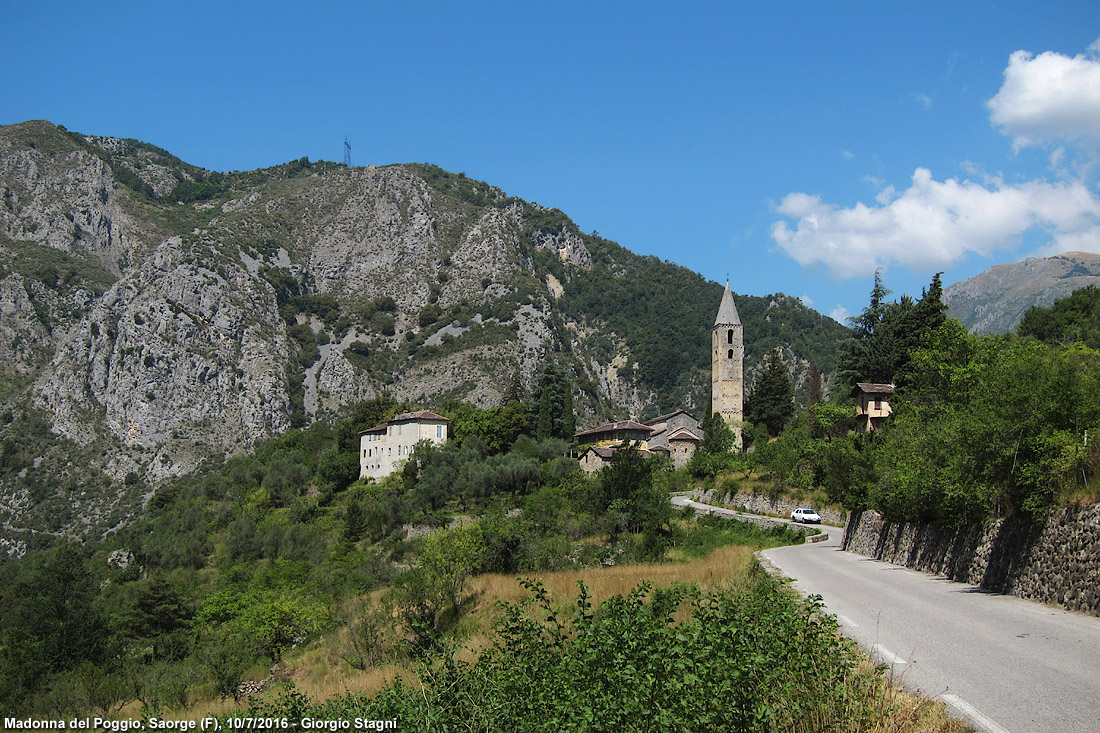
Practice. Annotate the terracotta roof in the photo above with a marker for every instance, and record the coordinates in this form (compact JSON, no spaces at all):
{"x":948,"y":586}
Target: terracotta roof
{"x":613,"y":426}
{"x":872,"y":388}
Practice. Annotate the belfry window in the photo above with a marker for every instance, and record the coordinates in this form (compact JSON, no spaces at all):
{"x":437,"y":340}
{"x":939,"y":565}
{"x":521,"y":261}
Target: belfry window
{"x":729,"y":336}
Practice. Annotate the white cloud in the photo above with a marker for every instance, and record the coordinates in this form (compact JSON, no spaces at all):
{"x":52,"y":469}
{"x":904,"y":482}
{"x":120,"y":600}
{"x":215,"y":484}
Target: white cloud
{"x":840,"y":314}
{"x":933,"y":224}
{"x":1049,"y":97}
{"x":923,"y":100}
{"x":848,"y":154}
{"x":806,"y":301}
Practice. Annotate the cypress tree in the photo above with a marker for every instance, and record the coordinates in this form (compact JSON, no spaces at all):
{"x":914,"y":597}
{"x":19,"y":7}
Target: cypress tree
{"x":771,"y":400}
{"x":555,"y":418}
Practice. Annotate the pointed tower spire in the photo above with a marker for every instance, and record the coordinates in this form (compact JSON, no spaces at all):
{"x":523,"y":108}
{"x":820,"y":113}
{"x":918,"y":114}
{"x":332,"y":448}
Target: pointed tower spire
{"x":727,"y":311}
{"x":727,"y":365}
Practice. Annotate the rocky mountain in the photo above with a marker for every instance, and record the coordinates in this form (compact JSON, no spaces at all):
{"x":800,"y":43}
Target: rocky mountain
{"x":156,"y":315}
{"x":994,"y":301}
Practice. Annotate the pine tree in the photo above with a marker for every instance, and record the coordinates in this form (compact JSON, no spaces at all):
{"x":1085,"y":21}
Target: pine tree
{"x":885,"y":335}
{"x":717,"y":436}
{"x":816,"y":389}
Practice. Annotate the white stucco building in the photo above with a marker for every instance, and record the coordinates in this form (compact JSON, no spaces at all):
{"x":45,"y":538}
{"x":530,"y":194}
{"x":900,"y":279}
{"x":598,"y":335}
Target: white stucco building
{"x":384,"y":447}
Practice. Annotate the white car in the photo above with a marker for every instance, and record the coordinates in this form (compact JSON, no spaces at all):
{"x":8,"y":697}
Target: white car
{"x":806,"y":516}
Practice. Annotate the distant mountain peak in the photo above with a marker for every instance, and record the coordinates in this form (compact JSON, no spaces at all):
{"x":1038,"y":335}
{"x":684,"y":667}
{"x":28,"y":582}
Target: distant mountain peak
{"x":995,"y":300}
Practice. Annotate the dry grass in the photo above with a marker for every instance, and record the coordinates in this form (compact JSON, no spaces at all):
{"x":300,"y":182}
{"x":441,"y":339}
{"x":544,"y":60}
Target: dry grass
{"x":725,"y":565}
{"x":320,"y":671}
{"x":896,"y":711}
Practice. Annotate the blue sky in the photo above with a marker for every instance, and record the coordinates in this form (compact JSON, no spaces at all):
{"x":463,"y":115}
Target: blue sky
{"x":793,"y":146}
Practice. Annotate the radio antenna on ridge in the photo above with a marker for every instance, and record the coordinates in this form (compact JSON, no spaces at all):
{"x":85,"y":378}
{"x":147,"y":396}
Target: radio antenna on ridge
{"x":347,"y":152}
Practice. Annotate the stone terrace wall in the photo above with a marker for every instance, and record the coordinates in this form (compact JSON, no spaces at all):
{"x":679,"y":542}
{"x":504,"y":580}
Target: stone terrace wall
{"x":1057,"y":562}
{"x":761,"y":504}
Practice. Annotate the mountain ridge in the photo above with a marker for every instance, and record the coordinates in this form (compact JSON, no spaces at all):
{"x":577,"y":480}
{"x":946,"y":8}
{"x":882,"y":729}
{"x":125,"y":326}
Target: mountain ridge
{"x":995,"y":300}
{"x":157,"y":314}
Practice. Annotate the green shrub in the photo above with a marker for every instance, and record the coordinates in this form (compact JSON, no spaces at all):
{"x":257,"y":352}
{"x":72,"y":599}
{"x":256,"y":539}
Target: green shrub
{"x":757,"y":659}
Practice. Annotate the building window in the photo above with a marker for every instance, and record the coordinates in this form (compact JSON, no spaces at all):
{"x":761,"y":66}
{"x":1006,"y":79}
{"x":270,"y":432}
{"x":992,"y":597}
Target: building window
{"x":729,"y":354}
{"x":439,"y":431}
{"x":729,"y":336}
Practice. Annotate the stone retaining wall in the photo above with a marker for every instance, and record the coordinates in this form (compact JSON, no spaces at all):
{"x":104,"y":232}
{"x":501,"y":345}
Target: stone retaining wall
{"x":1057,"y":562}
{"x":760,"y":504}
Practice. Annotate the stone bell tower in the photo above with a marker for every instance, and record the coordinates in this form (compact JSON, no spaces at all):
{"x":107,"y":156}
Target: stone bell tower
{"x":727,"y":365}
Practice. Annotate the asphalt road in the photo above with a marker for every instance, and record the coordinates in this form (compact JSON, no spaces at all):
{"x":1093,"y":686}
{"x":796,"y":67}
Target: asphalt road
{"x":1004,"y":663}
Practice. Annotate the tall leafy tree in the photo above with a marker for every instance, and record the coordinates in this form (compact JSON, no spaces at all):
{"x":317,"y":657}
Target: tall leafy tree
{"x":51,"y":622}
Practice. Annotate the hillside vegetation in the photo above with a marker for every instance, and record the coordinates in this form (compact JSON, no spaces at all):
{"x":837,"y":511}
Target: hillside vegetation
{"x":246,"y":564}
{"x":982,"y":426}
{"x":280,"y":558}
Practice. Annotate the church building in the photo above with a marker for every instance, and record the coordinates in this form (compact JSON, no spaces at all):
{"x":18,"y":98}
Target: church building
{"x":678,"y":434}
{"x":727,"y":365}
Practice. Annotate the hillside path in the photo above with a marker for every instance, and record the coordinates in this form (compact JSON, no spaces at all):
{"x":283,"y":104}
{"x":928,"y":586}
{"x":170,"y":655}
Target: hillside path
{"x":1004,"y":663}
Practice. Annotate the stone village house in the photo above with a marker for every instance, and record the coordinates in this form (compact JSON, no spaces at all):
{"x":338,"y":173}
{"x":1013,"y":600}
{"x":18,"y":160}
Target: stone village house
{"x":678,"y":434}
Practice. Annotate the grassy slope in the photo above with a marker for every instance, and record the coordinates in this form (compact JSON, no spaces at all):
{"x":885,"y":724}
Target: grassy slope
{"x":320,"y":672}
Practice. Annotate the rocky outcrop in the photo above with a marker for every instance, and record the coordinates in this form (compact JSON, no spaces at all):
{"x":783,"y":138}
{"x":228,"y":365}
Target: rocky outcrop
{"x":175,"y":353}
{"x":61,"y":196}
{"x":1056,"y":562}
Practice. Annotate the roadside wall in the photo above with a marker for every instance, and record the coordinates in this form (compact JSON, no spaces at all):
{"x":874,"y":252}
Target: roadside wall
{"x":760,"y":504}
{"x":1057,"y":562}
